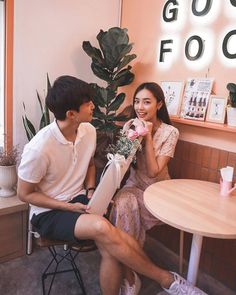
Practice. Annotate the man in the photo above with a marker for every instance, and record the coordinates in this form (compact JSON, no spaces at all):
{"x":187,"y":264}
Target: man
{"x":55,"y":171}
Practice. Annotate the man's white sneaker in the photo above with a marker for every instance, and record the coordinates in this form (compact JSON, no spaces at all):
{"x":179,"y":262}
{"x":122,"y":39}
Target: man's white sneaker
{"x":180,"y":286}
{"x":126,"y":289}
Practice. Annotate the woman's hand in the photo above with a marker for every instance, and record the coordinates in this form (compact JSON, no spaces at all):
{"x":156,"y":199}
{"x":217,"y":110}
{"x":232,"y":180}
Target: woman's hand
{"x":149,"y":126}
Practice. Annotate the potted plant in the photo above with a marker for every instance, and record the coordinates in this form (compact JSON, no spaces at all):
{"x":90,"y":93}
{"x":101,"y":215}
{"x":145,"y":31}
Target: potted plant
{"x":8,"y":176}
{"x":30,"y":130}
{"x":231,"y":107}
{"x":110,"y":63}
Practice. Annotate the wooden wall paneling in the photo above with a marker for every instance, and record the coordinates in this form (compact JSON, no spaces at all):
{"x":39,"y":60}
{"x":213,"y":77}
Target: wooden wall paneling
{"x":206,"y":156}
{"x":214,"y":159}
{"x":223,"y":159}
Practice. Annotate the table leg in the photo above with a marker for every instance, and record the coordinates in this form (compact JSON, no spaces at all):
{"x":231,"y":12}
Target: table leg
{"x":194,"y":258}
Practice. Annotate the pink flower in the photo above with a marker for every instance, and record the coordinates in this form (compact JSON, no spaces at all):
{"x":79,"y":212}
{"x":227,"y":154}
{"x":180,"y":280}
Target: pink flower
{"x":132,"y":134}
{"x":141,"y":130}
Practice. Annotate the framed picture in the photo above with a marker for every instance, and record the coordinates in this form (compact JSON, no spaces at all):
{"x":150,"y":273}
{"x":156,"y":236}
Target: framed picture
{"x":173,"y":96}
{"x":196,"y":96}
{"x":216,"y":109}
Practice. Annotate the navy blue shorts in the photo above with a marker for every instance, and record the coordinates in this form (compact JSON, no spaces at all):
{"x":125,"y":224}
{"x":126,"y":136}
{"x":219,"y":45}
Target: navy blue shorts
{"x":58,"y":224}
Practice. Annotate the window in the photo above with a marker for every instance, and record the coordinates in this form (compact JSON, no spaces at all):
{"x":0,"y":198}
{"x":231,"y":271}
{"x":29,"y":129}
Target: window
{"x":6,"y":72}
{"x":2,"y":63}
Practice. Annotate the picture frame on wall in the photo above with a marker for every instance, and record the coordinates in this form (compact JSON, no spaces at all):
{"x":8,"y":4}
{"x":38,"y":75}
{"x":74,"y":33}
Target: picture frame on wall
{"x":173,"y":91}
{"x":216,"y":109}
{"x":195,"y":99}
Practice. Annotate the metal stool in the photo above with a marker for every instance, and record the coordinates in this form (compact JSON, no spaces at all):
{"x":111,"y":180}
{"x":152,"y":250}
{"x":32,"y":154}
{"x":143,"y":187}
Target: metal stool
{"x":69,"y":253}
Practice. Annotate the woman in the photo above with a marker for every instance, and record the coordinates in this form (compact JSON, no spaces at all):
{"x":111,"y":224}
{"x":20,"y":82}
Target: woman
{"x":129,"y":212}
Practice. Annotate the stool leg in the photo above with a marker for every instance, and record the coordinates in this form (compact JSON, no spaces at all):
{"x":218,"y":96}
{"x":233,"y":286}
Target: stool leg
{"x":57,"y":258}
{"x":29,"y":239}
{"x":77,"y":272}
{"x":181,"y":251}
{"x":45,"y":273}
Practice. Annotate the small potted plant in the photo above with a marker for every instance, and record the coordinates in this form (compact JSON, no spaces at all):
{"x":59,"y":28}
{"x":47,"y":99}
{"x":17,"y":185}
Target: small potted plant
{"x":8,"y":176}
{"x":231,"y":107}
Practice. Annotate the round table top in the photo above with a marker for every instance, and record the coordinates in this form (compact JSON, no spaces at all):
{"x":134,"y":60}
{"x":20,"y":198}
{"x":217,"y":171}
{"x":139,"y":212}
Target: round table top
{"x":194,"y":206}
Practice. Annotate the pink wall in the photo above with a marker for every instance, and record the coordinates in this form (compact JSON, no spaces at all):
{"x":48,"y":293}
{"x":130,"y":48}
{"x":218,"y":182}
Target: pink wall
{"x":143,"y":20}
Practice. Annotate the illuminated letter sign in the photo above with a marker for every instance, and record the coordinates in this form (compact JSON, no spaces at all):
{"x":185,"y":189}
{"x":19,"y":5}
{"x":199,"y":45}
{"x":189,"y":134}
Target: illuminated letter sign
{"x":224,"y":46}
{"x":200,"y":47}
{"x":164,"y":50}
{"x":233,"y":2}
{"x":204,"y":11}
{"x":174,"y":11}
{"x":171,"y":13}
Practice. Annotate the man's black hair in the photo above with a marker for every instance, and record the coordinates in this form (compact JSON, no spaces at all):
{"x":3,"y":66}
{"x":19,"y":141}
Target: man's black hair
{"x":67,"y":93}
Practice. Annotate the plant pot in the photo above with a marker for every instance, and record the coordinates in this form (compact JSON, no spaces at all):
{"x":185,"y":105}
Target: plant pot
{"x":8,"y":179}
{"x":231,"y":116}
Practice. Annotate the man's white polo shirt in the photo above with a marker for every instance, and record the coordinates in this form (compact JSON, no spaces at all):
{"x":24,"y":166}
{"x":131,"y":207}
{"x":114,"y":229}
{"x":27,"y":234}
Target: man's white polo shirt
{"x":58,"y":166}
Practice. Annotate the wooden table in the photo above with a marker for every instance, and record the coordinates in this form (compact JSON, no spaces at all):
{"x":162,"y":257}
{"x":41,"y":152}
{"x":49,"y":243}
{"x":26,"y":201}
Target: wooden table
{"x":196,"y":207}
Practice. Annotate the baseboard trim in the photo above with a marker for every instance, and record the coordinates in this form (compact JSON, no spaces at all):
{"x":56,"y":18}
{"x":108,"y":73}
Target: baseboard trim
{"x":170,"y":260}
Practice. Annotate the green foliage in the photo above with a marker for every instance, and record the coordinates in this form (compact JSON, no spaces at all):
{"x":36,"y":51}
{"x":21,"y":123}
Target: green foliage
{"x":232,"y":94}
{"x":110,"y":63}
{"x":30,"y":130}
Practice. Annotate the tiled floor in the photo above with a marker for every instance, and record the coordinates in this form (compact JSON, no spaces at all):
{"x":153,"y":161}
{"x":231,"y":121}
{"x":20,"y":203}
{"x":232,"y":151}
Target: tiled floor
{"x":22,"y":276}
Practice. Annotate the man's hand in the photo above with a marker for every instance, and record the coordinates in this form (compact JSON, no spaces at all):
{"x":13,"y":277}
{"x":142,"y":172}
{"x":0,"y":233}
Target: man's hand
{"x":78,"y":207}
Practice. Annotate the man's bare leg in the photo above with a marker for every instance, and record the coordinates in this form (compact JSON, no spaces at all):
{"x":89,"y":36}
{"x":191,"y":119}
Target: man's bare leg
{"x":114,"y":243}
{"x":110,"y":274}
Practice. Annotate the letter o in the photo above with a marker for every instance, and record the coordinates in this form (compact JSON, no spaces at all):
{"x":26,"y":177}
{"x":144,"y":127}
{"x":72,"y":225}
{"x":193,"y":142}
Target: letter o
{"x":200,"y":48}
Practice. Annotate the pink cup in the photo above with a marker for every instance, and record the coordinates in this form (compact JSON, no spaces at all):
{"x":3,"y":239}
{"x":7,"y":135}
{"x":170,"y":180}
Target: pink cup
{"x":226,"y":188}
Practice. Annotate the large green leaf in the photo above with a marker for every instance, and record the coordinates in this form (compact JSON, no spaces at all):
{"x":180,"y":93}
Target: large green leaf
{"x":40,"y":102}
{"x":119,"y":52}
{"x":98,"y":114}
{"x":45,"y":117}
{"x":43,"y":121}
{"x":100,"y":72}
{"x":110,"y":117}
{"x":126,"y":60}
{"x":123,"y":79}
{"x":29,"y":128}
{"x":112,"y":43}
{"x":100,"y":96}
{"x":97,"y":123}
{"x":108,"y":127}
{"x":120,"y":118}
{"x":111,"y":94}
{"x":93,"y":52}
{"x":48,"y":83}
{"x":46,"y":110}
{"x":117,"y":102}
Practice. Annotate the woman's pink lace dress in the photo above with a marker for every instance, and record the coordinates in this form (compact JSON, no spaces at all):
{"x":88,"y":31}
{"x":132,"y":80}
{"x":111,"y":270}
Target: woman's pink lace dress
{"x":129,"y":212}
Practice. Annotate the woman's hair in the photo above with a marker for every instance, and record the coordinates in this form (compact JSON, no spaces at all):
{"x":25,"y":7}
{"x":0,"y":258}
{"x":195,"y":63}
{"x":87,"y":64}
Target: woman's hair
{"x":67,"y":93}
{"x":157,"y":92}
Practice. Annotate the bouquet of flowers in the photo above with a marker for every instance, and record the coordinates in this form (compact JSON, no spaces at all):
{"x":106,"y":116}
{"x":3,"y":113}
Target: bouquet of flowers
{"x":129,"y":140}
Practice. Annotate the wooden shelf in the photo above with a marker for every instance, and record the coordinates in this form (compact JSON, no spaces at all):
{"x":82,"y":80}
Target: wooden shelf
{"x":215,"y":126}
{"x":13,"y":228}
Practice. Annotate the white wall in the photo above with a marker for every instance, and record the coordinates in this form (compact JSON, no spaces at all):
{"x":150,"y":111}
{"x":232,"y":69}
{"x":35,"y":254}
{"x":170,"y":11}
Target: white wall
{"x":48,"y":38}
